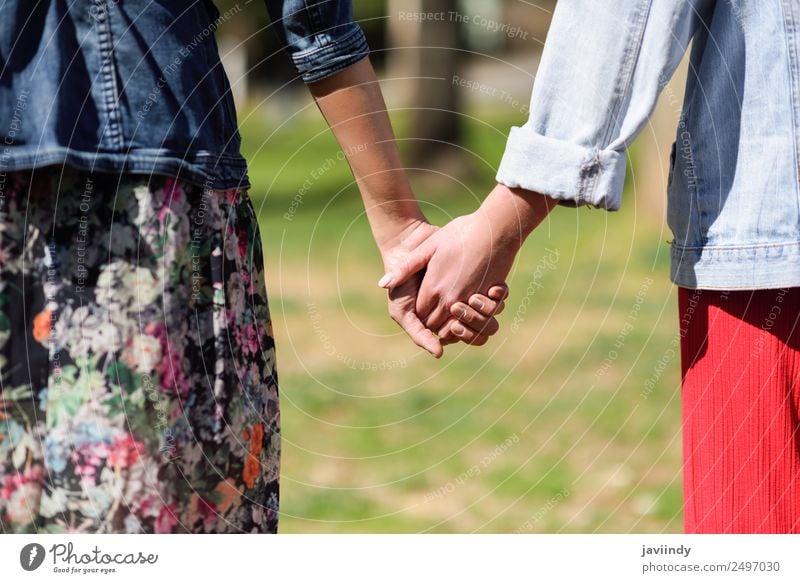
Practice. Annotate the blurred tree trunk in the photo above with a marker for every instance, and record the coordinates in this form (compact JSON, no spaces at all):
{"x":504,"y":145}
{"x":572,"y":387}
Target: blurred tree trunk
{"x":424,"y":59}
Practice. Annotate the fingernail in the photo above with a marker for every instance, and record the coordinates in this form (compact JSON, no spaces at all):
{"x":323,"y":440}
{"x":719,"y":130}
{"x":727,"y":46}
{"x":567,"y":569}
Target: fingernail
{"x":385,"y":280}
{"x":436,"y":348}
{"x":457,"y":329}
{"x":459,"y":310}
{"x":476,"y":303}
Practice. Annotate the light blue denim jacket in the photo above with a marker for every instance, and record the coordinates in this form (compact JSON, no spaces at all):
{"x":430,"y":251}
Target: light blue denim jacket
{"x":137,"y":85}
{"x":734,"y":190}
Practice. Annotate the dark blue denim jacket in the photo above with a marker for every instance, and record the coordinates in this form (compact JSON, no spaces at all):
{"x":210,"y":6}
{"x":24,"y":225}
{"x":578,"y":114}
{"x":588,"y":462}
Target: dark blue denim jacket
{"x":137,"y":85}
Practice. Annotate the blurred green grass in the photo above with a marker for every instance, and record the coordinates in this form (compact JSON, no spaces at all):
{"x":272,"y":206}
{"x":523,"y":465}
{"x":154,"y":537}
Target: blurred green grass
{"x":532,"y":433}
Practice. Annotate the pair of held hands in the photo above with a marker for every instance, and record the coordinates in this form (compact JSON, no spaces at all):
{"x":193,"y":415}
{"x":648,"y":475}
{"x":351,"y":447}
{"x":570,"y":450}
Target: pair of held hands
{"x":443,"y":283}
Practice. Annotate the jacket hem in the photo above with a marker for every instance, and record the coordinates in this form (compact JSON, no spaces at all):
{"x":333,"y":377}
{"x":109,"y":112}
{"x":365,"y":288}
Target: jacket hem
{"x":325,"y":61}
{"x":205,"y":169}
{"x":740,"y":267}
{"x":572,"y":174}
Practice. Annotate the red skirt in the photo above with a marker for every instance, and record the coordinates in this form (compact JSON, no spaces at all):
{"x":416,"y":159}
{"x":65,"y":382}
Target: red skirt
{"x":740,"y":361}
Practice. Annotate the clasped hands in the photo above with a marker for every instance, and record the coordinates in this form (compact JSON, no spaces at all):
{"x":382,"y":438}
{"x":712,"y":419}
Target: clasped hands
{"x":445,"y":284}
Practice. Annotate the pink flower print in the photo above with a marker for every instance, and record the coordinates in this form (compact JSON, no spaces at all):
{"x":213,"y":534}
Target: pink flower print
{"x":250,"y":339}
{"x":87,"y":473}
{"x":162,"y":214}
{"x":172,"y":190}
{"x":12,"y":482}
{"x":242,"y":241}
{"x":200,"y":508}
{"x":231,"y":195}
{"x":155,"y":329}
{"x":124,"y":452}
{"x":173,"y":377}
{"x":166,"y":519}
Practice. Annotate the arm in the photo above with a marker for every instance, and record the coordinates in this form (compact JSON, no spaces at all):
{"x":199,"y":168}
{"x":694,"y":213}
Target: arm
{"x":601,"y":72}
{"x":330,"y":53}
{"x":352,"y":104}
{"x":472,"y":253}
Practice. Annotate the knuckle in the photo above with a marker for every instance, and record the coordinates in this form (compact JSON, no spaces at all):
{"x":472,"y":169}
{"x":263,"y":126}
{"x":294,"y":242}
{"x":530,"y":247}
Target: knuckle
{"x":468,"y":336}
{"x":484,"y":306}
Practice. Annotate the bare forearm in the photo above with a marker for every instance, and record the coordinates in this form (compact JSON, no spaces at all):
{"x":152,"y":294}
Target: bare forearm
{"x":515,"y":213}
{"x":352,"y":104}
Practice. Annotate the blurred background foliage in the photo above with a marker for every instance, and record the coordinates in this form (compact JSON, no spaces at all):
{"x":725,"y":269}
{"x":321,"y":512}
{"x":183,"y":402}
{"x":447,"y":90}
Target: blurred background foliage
{"x":569,"y":421}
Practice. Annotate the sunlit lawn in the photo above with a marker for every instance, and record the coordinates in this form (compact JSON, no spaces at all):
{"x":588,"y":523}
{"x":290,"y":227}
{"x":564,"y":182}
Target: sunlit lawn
{"x":550,"y":428}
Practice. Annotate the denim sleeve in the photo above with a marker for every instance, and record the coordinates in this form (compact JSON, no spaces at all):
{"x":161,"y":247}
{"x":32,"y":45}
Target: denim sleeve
{"x":320,"y":35}
{"x":602,"y":70}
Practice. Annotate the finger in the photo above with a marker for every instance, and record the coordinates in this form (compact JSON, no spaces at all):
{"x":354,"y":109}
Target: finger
{"x":437,"y":318}
{"x":474,"y":320}
{"x":446,"y":335}
{"x":421,"y":336}
{"x":426,"y":304}
{"x":469,"y":336}
{"x":407,"y":265}
{"x":484,"y":305}
{"x":498,"y":292}
{"x":402,"y":312}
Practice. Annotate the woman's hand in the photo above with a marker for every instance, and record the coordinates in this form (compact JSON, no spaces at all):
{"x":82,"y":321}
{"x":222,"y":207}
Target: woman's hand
{"x":479,"y":322}
{"x":474,"y":321}
{"x":468,"y":256}
{"x":403,"y":298}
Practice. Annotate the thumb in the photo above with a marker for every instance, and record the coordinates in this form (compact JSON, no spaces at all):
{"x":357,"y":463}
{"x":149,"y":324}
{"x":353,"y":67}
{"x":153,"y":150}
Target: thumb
{"x":406,"y":265}
{"x":498,"y":292}
{"x":421,"y":336}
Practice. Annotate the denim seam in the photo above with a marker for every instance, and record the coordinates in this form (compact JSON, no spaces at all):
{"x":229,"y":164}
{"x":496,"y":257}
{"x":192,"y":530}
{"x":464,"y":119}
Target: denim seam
{"x":316,"y":22}
{"x":340,"y":43}
{"x":337,"y":56}
{"x":791,"y":36}
{"x":632,"y":52}
{"x":724,"y":248}
{"x":108,"y":86}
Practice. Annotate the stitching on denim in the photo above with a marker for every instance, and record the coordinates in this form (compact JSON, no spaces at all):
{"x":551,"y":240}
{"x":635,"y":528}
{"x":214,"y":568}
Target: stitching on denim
{"x":791,"y":40}
{"x":632,"y":52}
{"x":725,"y":248}
{"x":354,"y":37}
{"x":109,"y":89}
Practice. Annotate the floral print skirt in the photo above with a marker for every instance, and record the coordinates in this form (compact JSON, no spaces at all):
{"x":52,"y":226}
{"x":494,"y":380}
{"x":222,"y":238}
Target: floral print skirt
{"x":138,"y":390}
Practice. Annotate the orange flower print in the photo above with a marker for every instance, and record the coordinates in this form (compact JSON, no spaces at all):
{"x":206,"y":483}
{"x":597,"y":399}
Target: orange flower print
{"x":41,"y":326}
{"x":252,"y":463}
{"x":142,"y":443}
{"x":228,"y":495}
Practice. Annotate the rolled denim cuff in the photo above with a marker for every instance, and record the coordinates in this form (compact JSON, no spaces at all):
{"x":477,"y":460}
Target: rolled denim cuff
{"x":572,"y":174}
{"x":333,"y":56}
